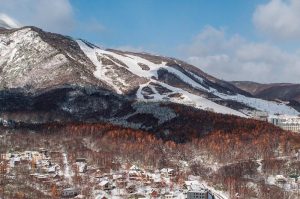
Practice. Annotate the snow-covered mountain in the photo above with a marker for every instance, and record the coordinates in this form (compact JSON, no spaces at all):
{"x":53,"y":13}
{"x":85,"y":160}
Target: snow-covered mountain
{"x":34,"y":62}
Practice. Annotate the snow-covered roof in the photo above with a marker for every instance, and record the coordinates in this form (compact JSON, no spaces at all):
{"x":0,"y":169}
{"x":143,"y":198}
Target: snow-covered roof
{"x":286,"y":118}
{"x":117,"y":176}
{"x":191,"y":182}
{"x":166,"y":170}
{"x":134,"y":167}
{"x":51,"y":169}
{"x":198,"y":191}
{"x":280,"y":177}
{"x":104,"y":182}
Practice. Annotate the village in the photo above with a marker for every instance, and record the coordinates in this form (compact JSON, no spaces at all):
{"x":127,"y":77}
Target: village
{"x":56,"y":175}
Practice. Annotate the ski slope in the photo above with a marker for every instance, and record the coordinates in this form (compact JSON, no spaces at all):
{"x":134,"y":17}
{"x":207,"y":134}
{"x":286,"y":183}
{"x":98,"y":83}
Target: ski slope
{"x":131,"y":63}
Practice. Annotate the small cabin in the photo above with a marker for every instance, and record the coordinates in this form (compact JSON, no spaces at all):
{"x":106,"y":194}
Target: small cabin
{"x":169,"y":196}
{"x":105,"y":185}
{"x":137,"y":196}
{"x":280,"y":179}
{"x":131,"y":188}
{"x":43,"y":151}
{"x":167,"y":172}
{"x":81,"y":167}
{"x":69,"y":192}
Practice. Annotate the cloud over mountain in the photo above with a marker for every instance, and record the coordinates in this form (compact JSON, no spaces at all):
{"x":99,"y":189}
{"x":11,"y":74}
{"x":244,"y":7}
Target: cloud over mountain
{"x":54,"y":15}
{"x":279,"y":19}
{"x":8,"y":22}
{"x":232,"y":57}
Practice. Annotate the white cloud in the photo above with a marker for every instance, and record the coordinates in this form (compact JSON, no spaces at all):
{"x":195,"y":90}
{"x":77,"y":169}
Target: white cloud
{"x":130,"y":48}
{"x":50,"y":15}
{"x":8,"y":22}
{"x":279,"y":19}
{"x":54,"y":15}
{"x":235,"y":58}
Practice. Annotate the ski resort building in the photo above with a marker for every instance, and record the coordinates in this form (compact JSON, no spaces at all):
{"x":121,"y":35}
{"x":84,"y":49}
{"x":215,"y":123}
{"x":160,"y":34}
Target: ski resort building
{"x":260,"y":115}
{"x":288,"y":123}
{"x":199,"y":194}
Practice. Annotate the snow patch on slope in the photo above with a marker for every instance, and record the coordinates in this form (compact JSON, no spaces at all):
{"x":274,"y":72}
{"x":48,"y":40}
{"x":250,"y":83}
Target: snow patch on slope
{"x":259,"y":104}
{"x":92,"y":53}
{"x":190,"y":100}
{"x":132,"y":64}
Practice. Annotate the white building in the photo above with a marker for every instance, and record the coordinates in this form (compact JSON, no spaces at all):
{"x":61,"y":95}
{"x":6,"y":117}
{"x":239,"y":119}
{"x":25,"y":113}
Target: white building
{"x":69,"y":192}
{"x":199,"y":194}
{"x":260,"y":115}
{"x":286,"y":122}
{"x":197,"y":191}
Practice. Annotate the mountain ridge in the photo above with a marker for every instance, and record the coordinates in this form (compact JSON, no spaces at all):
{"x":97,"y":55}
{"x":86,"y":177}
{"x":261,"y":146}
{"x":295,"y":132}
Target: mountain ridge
{"x":283,"y":91}
{"x":87,"y":81}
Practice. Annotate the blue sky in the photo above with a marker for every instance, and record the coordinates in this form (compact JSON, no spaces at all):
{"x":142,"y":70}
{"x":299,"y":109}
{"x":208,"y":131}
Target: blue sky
{"x":254,"y":40}
{"x":161,"y":25}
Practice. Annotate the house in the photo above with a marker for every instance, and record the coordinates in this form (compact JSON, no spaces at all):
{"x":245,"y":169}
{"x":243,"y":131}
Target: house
{"x":131,"y":188}
{"x":36,"y":155}
{"x":280,"y":179}
{"x":137,"y":196}
{"x":80,"y":197}
{"x":104,"y":177}
{"x":118,"y":177}
{"x":167,"y":172}
{"x":169,"y":196}
{"x":41,"y":178}
{"x":3,"y":168}
{"x":191,"y":185}
{"x":28,"y":155}
{"x":4,"y":156}
{"x":15,"y":160}
{"x":135,"y":168}
{"x":69,"y":192}
{"x":157,"y":183}
{"x":43,"y":151}
{"x":53,"y":169}
{"x":81,"y":167}
{"x":134,"y":175}
{"x":105,"y":185}
{"x":260,"y":115}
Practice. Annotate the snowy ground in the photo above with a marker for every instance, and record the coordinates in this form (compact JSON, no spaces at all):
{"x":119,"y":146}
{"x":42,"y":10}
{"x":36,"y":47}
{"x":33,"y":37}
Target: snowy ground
{"x":67,"y":171}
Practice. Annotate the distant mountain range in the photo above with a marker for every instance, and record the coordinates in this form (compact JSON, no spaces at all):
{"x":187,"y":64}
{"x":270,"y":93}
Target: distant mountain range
{"x":282,"y":91}
{"x":276,"y":91}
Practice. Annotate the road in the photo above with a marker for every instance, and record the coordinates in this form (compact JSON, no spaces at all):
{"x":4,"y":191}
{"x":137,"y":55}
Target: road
{"x":215,"y":193}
